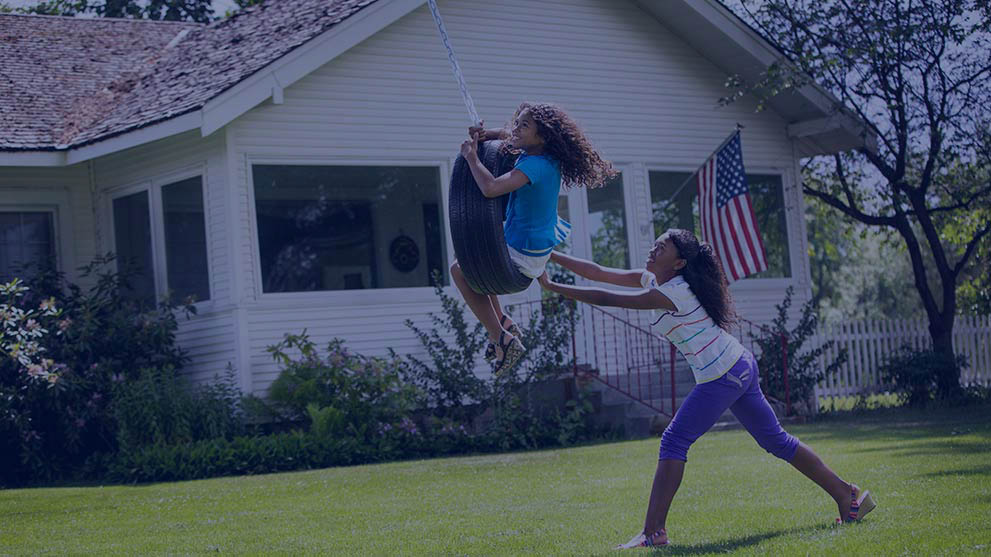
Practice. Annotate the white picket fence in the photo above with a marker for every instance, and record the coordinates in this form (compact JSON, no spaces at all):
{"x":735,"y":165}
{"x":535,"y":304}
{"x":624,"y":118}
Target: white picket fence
{"x":869,"y":342}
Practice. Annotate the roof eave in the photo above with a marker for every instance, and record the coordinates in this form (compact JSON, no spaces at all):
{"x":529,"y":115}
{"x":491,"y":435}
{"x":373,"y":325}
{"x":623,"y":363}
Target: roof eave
{"x":811,"y":111}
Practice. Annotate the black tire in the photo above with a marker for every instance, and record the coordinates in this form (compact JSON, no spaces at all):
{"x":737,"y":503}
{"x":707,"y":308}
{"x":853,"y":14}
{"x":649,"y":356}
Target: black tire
{"x":476,"y":226}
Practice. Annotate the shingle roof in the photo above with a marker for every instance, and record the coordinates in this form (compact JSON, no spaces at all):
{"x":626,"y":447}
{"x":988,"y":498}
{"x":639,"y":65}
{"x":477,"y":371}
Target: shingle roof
{"x":75,"y":81}
{"x":54,"y":69}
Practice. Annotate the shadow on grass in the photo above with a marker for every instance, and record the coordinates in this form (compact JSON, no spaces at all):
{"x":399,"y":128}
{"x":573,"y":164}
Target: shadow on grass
{"x":732,"y":544}
{"x":976,"y":471}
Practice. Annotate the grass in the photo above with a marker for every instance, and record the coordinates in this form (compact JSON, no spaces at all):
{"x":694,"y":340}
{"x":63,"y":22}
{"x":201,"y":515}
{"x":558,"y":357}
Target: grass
{"x":930,"y":471}
{"x":865,"y":402}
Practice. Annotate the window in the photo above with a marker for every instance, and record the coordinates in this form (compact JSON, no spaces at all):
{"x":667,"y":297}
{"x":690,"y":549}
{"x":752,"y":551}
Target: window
{"x":607,"y":224}
{"x":674,"y":208}
{"x":179,"y":217}
{"x":348,"y":227}
{"x":27,"y":241}
{"x":185,"y":239}
{"x":132,"y":238}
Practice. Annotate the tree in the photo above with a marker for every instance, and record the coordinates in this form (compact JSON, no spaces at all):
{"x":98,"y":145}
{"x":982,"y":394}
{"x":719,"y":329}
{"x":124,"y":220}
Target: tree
{"x":915,"y":73}
{"x":171,"y":10}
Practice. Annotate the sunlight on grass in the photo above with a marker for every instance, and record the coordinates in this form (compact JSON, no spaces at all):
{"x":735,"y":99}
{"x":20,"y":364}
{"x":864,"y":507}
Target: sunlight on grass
{"x":930,"y":471}
{"x":859,"y":402}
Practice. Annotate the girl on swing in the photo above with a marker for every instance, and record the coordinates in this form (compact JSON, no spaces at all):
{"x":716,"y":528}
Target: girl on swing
{"x":685,"y":281}
{"x":552,"y":150}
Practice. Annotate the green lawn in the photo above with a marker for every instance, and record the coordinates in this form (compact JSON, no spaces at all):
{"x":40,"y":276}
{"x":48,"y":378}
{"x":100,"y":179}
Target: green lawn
{"x":931,"y":473}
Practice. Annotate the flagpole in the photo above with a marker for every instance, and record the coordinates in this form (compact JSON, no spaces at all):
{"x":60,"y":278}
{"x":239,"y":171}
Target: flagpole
{"x":693,"y":174}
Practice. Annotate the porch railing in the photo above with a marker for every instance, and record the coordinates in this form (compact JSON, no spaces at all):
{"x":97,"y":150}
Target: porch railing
{"x":618,"y":350}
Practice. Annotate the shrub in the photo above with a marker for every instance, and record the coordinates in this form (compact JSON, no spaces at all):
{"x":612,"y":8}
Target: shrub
{"x":447,"y":380}
{"x":803,"y":367}
{"x":48,"y":433}
{"x":161,"y":408}
{"x":340,"y":393}
{"x":914,"y":374}
{"x":506,"y":411}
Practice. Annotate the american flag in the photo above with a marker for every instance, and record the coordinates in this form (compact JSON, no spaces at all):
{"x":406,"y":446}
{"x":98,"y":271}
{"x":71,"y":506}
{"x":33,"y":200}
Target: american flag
{"x":727,"y":214}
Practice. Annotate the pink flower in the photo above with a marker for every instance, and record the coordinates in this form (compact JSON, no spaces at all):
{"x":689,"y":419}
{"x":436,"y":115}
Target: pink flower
{"x":64,"y":324}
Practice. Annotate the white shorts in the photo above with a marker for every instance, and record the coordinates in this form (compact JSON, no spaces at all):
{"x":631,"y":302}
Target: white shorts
{"x":530,"y":265}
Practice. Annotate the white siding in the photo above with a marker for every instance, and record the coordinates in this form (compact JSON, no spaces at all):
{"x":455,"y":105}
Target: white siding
{"x":211,"y":336}
{"x":67,"y":190}
{"x":644,"y":97}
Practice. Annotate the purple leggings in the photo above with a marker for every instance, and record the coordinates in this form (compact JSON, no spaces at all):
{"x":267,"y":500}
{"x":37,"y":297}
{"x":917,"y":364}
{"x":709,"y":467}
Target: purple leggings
{"x":738,"y":390}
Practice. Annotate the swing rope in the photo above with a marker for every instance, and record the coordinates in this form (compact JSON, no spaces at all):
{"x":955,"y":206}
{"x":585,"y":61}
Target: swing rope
{"x":465,"y":95}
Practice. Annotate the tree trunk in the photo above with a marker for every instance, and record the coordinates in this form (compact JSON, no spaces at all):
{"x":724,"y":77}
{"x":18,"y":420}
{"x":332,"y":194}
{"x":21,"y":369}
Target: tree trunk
{"x":948,"y":376}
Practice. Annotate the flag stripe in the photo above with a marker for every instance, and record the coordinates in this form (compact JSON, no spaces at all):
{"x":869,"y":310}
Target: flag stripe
{"x":745,"y":227}
{"x":731,"y":221}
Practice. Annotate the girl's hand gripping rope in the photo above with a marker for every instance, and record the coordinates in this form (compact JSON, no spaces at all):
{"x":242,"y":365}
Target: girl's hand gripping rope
{"x":469,"y":149}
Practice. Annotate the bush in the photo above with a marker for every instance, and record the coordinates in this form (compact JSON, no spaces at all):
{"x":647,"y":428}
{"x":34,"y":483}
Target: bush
{"x":241,"y":455}
{"x":506,"y":411}
{"x":803,"y":367}
{"x":49,"y":430}
{"x":914,"y":374}
{"x":160,"y":408}
{"x":447,"y":380}
{"x":340,"y":393}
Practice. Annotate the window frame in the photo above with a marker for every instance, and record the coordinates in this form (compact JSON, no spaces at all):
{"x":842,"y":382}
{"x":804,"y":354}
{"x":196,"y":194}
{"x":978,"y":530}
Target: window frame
{"x":363,"y":297}
{"x":627,"y":183}
{"x":154,"y":187}
{"x":53,"y":210}
{"x":754,"y":283}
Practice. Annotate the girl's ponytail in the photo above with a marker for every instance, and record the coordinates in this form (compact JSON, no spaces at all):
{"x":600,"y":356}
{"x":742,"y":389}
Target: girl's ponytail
{"x":704,"y":275}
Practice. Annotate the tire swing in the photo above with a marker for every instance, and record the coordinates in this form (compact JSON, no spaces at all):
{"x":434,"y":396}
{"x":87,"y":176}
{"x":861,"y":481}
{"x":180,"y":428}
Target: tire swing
{"x":475,"y":220}
{"x":476,"y":226}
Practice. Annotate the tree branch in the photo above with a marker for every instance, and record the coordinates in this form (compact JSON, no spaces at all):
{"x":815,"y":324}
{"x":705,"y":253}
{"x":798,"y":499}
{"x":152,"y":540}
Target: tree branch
{"x":971,"y":248}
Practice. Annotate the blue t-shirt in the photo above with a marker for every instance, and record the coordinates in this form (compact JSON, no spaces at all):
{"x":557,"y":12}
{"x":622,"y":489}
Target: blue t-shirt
{"x":532,"y":226}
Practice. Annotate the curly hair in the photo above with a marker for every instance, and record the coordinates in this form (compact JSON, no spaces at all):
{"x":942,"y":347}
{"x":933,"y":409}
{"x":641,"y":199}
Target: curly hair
{"x":704,"y":275}
{"x":581,"y":164}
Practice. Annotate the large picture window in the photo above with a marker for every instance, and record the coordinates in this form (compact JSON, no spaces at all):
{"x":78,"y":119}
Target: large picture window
{"x":678,"y":208}
{"x":27,"y":242}
{"x":348,"y":227}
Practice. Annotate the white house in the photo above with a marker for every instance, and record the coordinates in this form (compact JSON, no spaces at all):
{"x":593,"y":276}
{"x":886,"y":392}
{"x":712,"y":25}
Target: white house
{"x":267,"y":162}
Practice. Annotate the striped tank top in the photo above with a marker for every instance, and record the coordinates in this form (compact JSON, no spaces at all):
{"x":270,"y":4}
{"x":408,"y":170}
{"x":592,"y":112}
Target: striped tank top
{"x":709,"y":350}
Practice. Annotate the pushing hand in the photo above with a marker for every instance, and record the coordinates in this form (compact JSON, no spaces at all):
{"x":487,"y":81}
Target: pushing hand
{"x":545,"y":281}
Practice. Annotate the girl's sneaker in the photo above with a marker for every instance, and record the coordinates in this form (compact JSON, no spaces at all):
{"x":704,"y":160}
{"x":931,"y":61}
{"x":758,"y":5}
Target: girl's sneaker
{"x":657,"y":539}
{"x":861,"y":504}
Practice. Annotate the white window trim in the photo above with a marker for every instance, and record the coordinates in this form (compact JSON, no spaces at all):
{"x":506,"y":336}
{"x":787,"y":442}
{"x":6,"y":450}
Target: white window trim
{"x":364,"y":297}
{"x":157,"y":222}
{"x":60,"y":241}
{"x":748,"y":283}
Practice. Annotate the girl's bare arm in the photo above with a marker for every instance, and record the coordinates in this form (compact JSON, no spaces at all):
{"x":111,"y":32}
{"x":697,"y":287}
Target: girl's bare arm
{"x":593,"y":271}
{"x":644,"y":299}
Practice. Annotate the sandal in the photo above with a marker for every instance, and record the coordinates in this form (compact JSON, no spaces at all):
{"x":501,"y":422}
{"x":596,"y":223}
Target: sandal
{"x":512,"y":351}
{"x":513,"y":329}
{"x":861,"y":504}
{"x":657,"y":539}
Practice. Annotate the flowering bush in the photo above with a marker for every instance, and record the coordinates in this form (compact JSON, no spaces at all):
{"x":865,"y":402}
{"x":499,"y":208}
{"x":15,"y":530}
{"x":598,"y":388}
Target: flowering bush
{"x":22,"y":331}
{"x":55,"y":416}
